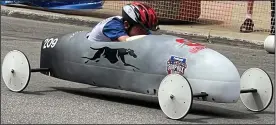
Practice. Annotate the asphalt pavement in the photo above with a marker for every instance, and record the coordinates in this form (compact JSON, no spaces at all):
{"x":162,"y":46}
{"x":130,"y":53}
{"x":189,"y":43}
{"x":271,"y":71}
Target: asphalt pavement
{"x":52,"y":101}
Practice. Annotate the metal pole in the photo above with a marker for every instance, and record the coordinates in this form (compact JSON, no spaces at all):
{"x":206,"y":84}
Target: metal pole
{"x":248,"y":90}
{"x":202,"y":94}
{"x":40,"y":70}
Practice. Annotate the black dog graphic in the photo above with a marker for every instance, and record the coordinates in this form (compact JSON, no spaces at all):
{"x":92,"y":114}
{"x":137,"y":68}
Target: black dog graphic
{"x":112,"y":55}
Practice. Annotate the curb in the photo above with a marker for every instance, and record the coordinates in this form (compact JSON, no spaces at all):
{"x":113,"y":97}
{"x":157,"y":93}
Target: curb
{"x":59,"y":17}
{"x":45,"y":17}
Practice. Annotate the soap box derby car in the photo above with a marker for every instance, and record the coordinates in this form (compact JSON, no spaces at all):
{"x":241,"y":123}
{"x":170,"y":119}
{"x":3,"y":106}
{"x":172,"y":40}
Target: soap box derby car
{"x":174,"y":69}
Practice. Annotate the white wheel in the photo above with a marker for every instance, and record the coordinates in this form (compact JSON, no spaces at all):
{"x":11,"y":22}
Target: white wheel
{"x":175,"y":96}
{"x":16,"y":71}
{"x":255,"y":78}
{"x":269,"y":44}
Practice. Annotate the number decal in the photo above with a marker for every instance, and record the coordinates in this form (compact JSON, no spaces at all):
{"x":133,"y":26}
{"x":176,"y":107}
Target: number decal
{"x":45,"y":42}
{"x":50,"y":43}
{"x":54,"y":42}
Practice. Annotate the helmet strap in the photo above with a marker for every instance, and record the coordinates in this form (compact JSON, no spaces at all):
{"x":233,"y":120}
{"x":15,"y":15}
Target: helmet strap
{"x":129,"y":28}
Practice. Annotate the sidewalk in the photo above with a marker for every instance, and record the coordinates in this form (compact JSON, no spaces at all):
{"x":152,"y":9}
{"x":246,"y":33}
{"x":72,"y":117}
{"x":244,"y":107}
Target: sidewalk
{"x":197,"y":32}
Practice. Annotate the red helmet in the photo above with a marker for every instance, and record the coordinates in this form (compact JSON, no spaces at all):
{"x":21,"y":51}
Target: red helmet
{"x":138,"y":13}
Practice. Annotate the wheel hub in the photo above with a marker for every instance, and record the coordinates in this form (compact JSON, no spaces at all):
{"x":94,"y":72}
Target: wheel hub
{"x":172,"y":96}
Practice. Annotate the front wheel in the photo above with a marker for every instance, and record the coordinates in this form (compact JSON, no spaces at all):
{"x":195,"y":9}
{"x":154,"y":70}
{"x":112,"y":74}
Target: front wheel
{"x":175,"y":96}
{"x":258,"y":80}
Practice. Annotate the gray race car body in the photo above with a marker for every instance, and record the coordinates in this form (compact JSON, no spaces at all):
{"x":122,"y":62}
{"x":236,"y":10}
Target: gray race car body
{"x":175,"y":69}
{"x":138,"y":65}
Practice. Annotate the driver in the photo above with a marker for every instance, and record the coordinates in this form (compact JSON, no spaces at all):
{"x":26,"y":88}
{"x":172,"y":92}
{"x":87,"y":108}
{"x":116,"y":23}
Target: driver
{"x":137,"y":19}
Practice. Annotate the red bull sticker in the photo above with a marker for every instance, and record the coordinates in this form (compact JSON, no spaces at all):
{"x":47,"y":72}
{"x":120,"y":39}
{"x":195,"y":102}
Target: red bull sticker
{"x":180,"y":40}
{"x":193,"y":44}
{"x":176,"y":65}
{"x":194,"y":47}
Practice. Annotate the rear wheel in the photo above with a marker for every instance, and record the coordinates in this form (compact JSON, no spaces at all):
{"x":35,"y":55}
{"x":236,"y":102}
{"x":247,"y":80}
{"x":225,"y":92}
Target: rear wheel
{"x":16,"y":71}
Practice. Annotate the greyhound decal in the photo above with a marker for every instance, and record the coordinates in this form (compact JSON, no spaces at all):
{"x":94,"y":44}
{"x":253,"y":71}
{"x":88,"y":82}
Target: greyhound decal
{"x":112,"y":55}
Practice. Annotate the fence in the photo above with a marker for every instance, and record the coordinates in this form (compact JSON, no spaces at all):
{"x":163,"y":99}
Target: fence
{"x":223,"y":14}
